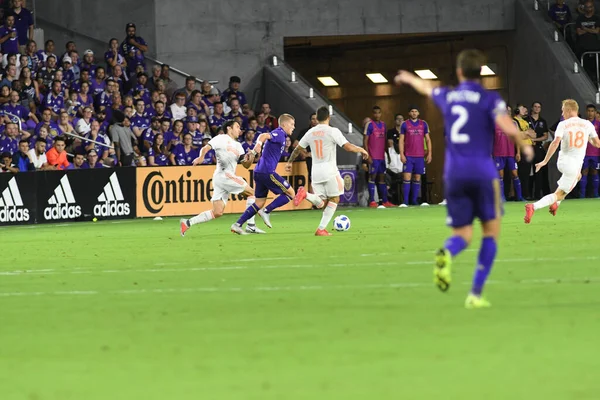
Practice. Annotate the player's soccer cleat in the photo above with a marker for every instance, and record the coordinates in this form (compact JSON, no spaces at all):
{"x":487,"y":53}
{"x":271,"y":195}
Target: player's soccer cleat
{"x":322,"y":232}
{"x":236,"y":228}
{"x":183,"y":226}
{"x":553,"y":209}
{"x":388,"y":204}
{"x":529,"y":210}
{"x":300,"y":195}
{"x":381,"y":206}
{"x":253,"y":229}
{"x":402,"y":205}
{"x":373,"y":204}
{"x":443,"y":202}
{"x":442,"y":272}
{"x":473,"y":302}
{"x":424,"y":204}
{"x":266,"y":217}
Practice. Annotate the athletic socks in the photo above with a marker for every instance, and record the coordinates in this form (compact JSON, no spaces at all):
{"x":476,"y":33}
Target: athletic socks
{"x":455,"y":245}
{"x":545,"y":201}
{"x":249,"y":213}
{"x":280,"y":201}
{"x":405,"y":191}
{"x":371,"y":186}
{"x":249,"y":201}
{"x":582,"y":186}
{"x":485,"y":261}
{"x":200,"y":218}
{"x":596,"y":184}
{"x":415,"y":190}
{"x":502,"y":189}
{"x":518,"y":191}
{"x":327,"y":215}
{"x":382,"y":190}
{"x":314,"y":200}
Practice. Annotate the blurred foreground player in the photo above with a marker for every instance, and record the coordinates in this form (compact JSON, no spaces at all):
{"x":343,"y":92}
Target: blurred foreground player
{"x":327,"y":182}
{"x":573,"y":135}
{"x":471,"y":183}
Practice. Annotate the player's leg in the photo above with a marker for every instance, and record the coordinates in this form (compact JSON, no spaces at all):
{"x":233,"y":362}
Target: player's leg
{"x":331,"y":191}
{"x":415,"y":188}
{"x":584,"y":179}
{"x":500,"y":166}
{"x":460,"y":218}
{"x":406,"y":177}
{"x":371,"y":183}
{"x":278,"y":185}
{"x":595,"y":178}
{"x":219,"y":199}
{"x":566,"y":184}
{"x":517,"y":184}
{"x":250,"y":200}
{"x":260,"y":193}
{"x":382,"y":185}
{"x":303,"y":194}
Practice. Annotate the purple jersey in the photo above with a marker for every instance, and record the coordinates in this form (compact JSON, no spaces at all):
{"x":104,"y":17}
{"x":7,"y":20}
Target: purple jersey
{"x":271,"y":152}
{"x":216,"y":121}
{"x":376,"y":131}
{"x":10,"y":145}
{"x":138,"y":121}
{"x":469,"y":116}
{"x":414,"y":137}
{"x":209,"y":157}
{"x":262,"y":129}
{"x":183,"y":157}
{"x":55,"y":103}
{"x":23,"y":21}
{"x":97,"y":87}
{"x":503,"y":146}
{"x":159,"y":158}
{"x":12,"y":44}
{"x":591,"y":150}
{"x":248,"y":146}
{"x":18,"y":110}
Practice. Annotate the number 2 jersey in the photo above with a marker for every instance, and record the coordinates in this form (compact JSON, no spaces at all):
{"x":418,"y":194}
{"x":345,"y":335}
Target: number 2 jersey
{"x":323,"y":141}
{"x":574,"y":134}
{"x":469,"y":113}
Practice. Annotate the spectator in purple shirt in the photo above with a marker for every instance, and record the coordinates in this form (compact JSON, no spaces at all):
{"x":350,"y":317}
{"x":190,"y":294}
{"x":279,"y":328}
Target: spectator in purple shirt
{"x":92,"y":160}
{"x":54,"y":100}
{"x":119,"y":77}
{"x":68,"y":73}
{"x":560,"y":14}
{"x":133,"y":49}
{"x":83,"y":97}
{"x":23,"y":23}
{"x":98,"y":82}
{"x":261,"y":126}
{"x":69,"y":46}
{"x":47,"y":121}
{"x":234,"y":87}
{"x":15,"y":111}
{"x":158,"y":155}
{"x":89,"y":62}
{"x":9,"y":36}
{"x":237,"y":112}
{"x":9,"y":141}
{"x":185,"y":153}
{"x":197,"y":103}
{"x":84,"y":76}
{"x":217,"y":119}
{"x":249,"y":141}
{"x":113,"y":57}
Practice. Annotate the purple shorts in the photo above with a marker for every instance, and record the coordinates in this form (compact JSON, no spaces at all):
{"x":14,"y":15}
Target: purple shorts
{"x":591,"y":162}
{"x":415,"y":165}
{"x":265,"y":182}
{"x":503,"y":162}
{"x":472,"y":198}
{"x":377,"y":167}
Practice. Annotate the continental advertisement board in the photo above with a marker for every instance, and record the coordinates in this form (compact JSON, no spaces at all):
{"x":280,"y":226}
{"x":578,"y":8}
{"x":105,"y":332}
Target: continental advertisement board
{"x":173,"y":191}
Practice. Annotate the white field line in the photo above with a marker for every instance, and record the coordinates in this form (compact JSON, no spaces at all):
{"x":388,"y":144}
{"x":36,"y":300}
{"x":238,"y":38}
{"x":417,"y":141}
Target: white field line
{"x":310,"y":287}
{"x":278,"y":266}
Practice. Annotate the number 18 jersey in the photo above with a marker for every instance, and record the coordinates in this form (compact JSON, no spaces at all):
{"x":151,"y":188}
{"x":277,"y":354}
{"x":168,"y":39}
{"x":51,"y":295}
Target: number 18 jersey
{"x":574,"y":134}
{"x":323,"y":141}
{"x":469,"y":113}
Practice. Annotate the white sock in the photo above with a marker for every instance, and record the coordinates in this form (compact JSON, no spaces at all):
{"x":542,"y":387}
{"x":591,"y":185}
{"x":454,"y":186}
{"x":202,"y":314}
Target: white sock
{"x":545,"y":201}
{"x":315,"y":200}
{"x":327,"y":215}
{"x":558,"y":202}
{"x":249,"y":201}
{"x":202,"y":217}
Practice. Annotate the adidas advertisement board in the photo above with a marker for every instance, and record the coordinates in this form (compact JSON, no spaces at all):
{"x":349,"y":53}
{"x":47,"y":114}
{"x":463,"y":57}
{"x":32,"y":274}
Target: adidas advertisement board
{"x":17,"y":199}
{"x":111,"y":202}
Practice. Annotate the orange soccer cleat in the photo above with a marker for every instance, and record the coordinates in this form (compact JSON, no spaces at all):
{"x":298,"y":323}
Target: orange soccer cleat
{"x":373,"y":204}
{"x":322,"y":232}
{"x":529,"y":210}
{"x":301,"y":195}
{"x":387,"y":204}
{"x":553,"y":209}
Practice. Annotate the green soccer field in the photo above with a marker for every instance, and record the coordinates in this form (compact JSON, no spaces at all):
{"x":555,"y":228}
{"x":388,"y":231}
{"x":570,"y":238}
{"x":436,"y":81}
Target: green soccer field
{"x":131,"y":310}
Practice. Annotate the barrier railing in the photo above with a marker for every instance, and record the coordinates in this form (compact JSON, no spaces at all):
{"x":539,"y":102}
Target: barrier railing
{"x":596,"y":53}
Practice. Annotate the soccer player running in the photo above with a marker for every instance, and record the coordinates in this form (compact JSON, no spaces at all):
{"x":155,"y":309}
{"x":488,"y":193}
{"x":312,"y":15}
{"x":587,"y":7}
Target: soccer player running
{"x":375,"y":141}
{"x":228,"y":151}
{"x":471,"y":181}
{"x":414,"y":133}
{"x":265,"y":177}
{"x":326,"y":180}
{"x":572,"y":135}
{"x":591,"y":162}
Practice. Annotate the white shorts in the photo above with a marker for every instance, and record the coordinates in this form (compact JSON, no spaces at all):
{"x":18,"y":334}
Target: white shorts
{"x":225,"y":185}
{"x":570,"y":176}
{"x":334,"y":187}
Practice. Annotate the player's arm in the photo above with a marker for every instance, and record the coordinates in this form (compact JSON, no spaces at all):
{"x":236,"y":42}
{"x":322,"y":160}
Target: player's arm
{"x":355,"y":149}
{"x":505,"y":123}
{"x":259,"y":142}
{"x":429,"y":154}
{"x":297,"y":151}
{"x":203,"y":152}
{"x":422,"y":86}
{"x":551,"y":150}
{"x":247,"y":160}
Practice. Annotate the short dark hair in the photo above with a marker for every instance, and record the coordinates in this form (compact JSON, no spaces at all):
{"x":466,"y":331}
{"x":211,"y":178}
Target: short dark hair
{"x":23,"y":141}
{"x":159,"y":101}
{"x":229,"y":124}
{"x":68,"y":43}
{"x":311,"y":115}
{"x":195,"y":92}
{"x":322,"y":113}
{"x":470,"y":62}
{"x":218,"y":102}
{"x":190,"y":79}
{"x":398,"y":115}
{"x":99,"y":68}
{"x":40,"y":139}
{"x":60,"y":139}
{"x":138,"y":100}
{"x":78,"y":153}
{"x":251,"y":119}
{"x":376,"y":108}
{"x":591,"y":106}
{"x":536,"y":102}
{"x":6,"y":154}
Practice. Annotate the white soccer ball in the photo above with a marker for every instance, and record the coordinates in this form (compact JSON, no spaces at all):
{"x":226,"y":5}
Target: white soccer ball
{"x":341,"y":223}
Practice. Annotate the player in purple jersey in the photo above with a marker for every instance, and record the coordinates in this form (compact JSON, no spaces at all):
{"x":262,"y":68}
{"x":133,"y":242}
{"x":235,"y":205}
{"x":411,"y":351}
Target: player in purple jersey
{"x":265,"y":177}
{"x":471,"y":181}
{"x":591,"y":162}
{"x":375,"y":142}
{"x":414,"y":134}
{"x":505,"y":157}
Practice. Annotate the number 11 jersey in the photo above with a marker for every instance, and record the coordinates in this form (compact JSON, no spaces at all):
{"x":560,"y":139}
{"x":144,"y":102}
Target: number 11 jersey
{"x":323,"y":141}
{"x":574,"y":134}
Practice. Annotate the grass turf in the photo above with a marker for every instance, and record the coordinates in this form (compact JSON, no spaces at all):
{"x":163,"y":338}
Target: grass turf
{"x":131,"y":310}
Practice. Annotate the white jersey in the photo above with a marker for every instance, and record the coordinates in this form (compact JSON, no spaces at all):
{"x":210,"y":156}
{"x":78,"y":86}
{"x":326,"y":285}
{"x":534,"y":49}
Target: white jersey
{"x":323,"y":141}
{"x":574,"y":133}
{"x":228,"y":152}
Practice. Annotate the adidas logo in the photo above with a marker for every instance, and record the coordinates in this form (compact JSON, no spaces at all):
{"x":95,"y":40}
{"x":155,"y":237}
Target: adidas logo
{"x":11,"y":204}
{"x":111,"y":200}
{"x":62,"y":203}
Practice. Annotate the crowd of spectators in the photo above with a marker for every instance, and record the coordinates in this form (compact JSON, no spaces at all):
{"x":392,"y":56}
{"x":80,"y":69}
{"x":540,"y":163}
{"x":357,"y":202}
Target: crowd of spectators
{"x":66,"y":109}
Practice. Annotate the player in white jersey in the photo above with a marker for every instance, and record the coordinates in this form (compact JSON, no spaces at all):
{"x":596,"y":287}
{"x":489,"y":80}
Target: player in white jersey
{"x":229,"y":152}
{"x":572,"y":135}
{"x":326,"y":180}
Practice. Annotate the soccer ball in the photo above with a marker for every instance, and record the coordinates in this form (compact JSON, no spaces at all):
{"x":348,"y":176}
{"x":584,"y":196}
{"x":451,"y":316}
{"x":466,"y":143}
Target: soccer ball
{"x":341,"y":223}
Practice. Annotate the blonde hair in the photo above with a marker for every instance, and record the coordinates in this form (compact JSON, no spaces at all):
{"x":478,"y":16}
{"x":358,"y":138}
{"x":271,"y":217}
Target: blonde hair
{"x":283,"y":118}
{"x":570,"y":105}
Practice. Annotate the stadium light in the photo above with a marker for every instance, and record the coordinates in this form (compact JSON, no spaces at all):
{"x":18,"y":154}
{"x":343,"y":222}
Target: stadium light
{"x":487,"y":71}
{"x":377,"y":78}
{"x":328,"y":81}
{"x":426,"y":74}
